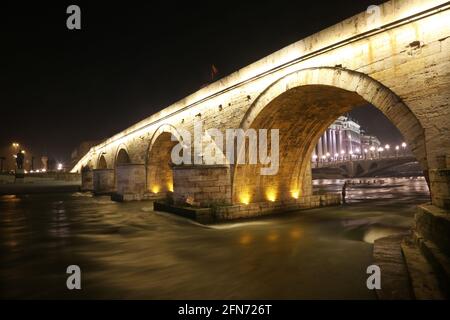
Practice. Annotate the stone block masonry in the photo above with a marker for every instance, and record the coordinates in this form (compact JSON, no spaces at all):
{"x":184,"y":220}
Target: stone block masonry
{"x":103,"y":181}
{"x":202,"y":185}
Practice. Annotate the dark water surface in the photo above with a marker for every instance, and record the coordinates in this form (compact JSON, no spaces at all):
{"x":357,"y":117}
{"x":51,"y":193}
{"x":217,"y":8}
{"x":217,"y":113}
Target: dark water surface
{"x":126,"y":250}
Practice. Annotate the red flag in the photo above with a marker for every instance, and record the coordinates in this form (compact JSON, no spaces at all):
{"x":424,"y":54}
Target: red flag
{"x":214,"y":71}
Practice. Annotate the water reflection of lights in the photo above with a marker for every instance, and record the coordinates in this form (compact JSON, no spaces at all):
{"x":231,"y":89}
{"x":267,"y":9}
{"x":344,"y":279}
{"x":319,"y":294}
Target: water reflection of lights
{"x":273,"y":236}
{"x":245,"y":239}
{"x":60,"y":224}
{"x":295,"y":233}
{"x":10,"y":198}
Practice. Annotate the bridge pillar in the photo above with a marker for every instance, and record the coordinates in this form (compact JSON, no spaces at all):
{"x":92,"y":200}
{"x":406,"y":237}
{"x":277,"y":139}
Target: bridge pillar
{"x":440,"y":183}
{"x":130,"y":182}
{"x":87,"y":180}
{"x":202,"y":185}
{"x":103,"y":181}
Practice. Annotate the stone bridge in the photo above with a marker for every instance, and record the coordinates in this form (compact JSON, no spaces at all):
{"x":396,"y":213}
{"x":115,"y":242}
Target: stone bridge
{"x":398,"y":61}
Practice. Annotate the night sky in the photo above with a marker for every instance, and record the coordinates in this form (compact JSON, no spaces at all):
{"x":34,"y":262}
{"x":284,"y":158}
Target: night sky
{"x":130,"y":59}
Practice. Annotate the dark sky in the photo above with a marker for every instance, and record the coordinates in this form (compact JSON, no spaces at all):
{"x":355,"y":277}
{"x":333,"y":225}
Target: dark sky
{"x":60,"y":87}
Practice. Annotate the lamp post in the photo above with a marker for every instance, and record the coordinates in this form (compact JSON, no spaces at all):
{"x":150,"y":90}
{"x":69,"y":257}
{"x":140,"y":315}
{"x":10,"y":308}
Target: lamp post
{"x":404,"y":148}
{"x":396,"y":151}
{"x":372,"y":152}
{"x":387,"y":147}
{"x":316,"y":160}
{"x":380,"y":150}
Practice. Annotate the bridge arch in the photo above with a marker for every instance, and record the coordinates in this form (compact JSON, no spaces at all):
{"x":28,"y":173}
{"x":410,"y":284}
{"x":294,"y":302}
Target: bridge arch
{"x":158,"y":164}
{"x":302,"y":105}
{"x":122,"y":156}
{"x":101,"y":162}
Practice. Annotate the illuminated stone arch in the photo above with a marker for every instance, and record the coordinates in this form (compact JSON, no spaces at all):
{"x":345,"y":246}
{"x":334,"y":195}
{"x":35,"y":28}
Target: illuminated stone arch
{"x":159,"y":173}
{"x":122,"y":155}
{"x":302,"y":105}
{"x":101,"y":162}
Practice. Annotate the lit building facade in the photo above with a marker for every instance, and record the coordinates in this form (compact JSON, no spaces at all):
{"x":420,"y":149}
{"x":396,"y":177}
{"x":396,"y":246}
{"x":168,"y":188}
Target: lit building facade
{"x":342,"y":138}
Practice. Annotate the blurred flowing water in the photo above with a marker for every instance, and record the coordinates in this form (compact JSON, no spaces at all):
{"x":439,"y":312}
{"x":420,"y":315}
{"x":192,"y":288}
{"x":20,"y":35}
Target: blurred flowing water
{"x":126,"y":250}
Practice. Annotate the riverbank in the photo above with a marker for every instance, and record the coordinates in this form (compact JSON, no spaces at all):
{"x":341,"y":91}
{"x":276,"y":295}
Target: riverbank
{"x":39,"y":183}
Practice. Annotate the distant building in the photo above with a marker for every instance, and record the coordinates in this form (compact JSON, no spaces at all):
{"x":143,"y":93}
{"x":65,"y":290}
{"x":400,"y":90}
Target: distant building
{"x":343,"y":137}
{"x":369,"y":141}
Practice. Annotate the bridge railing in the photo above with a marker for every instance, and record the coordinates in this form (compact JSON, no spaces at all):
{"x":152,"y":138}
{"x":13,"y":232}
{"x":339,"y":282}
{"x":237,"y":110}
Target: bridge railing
{"x":337,"y":161}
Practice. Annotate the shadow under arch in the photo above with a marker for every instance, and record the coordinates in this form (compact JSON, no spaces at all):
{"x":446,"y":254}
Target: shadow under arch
{"x":158,"y":164}
{"x":302,"y":105}
{"x":122,"y":156}
{"x":101,"y":162}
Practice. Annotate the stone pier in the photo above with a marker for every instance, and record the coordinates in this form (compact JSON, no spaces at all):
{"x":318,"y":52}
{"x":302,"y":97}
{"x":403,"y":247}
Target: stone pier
{"x":103,"y":181}
{"x":130,"y":182}
{"x":87,"y":180}
{"x":202,"y":185}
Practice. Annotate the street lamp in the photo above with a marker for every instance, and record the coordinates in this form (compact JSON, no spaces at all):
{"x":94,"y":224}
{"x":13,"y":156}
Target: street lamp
{"x":404,"y":147}
{"x":380,"y":150}
{"x":343,"y":154}
{"x":372,"y":150}
{"x":387,"y":147}
{"x":316,"y":160}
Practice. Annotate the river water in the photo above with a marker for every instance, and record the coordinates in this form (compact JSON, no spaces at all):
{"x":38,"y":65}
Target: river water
{"x":127,"y":250}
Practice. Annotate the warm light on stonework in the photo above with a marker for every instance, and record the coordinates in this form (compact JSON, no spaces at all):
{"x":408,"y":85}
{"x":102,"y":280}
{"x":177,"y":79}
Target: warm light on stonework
{"x":271,"y":195}
{"x":170,"y":187}
{"x":295,"y":194}
{"x":155,"y":189}
{"x":245,"y":198}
